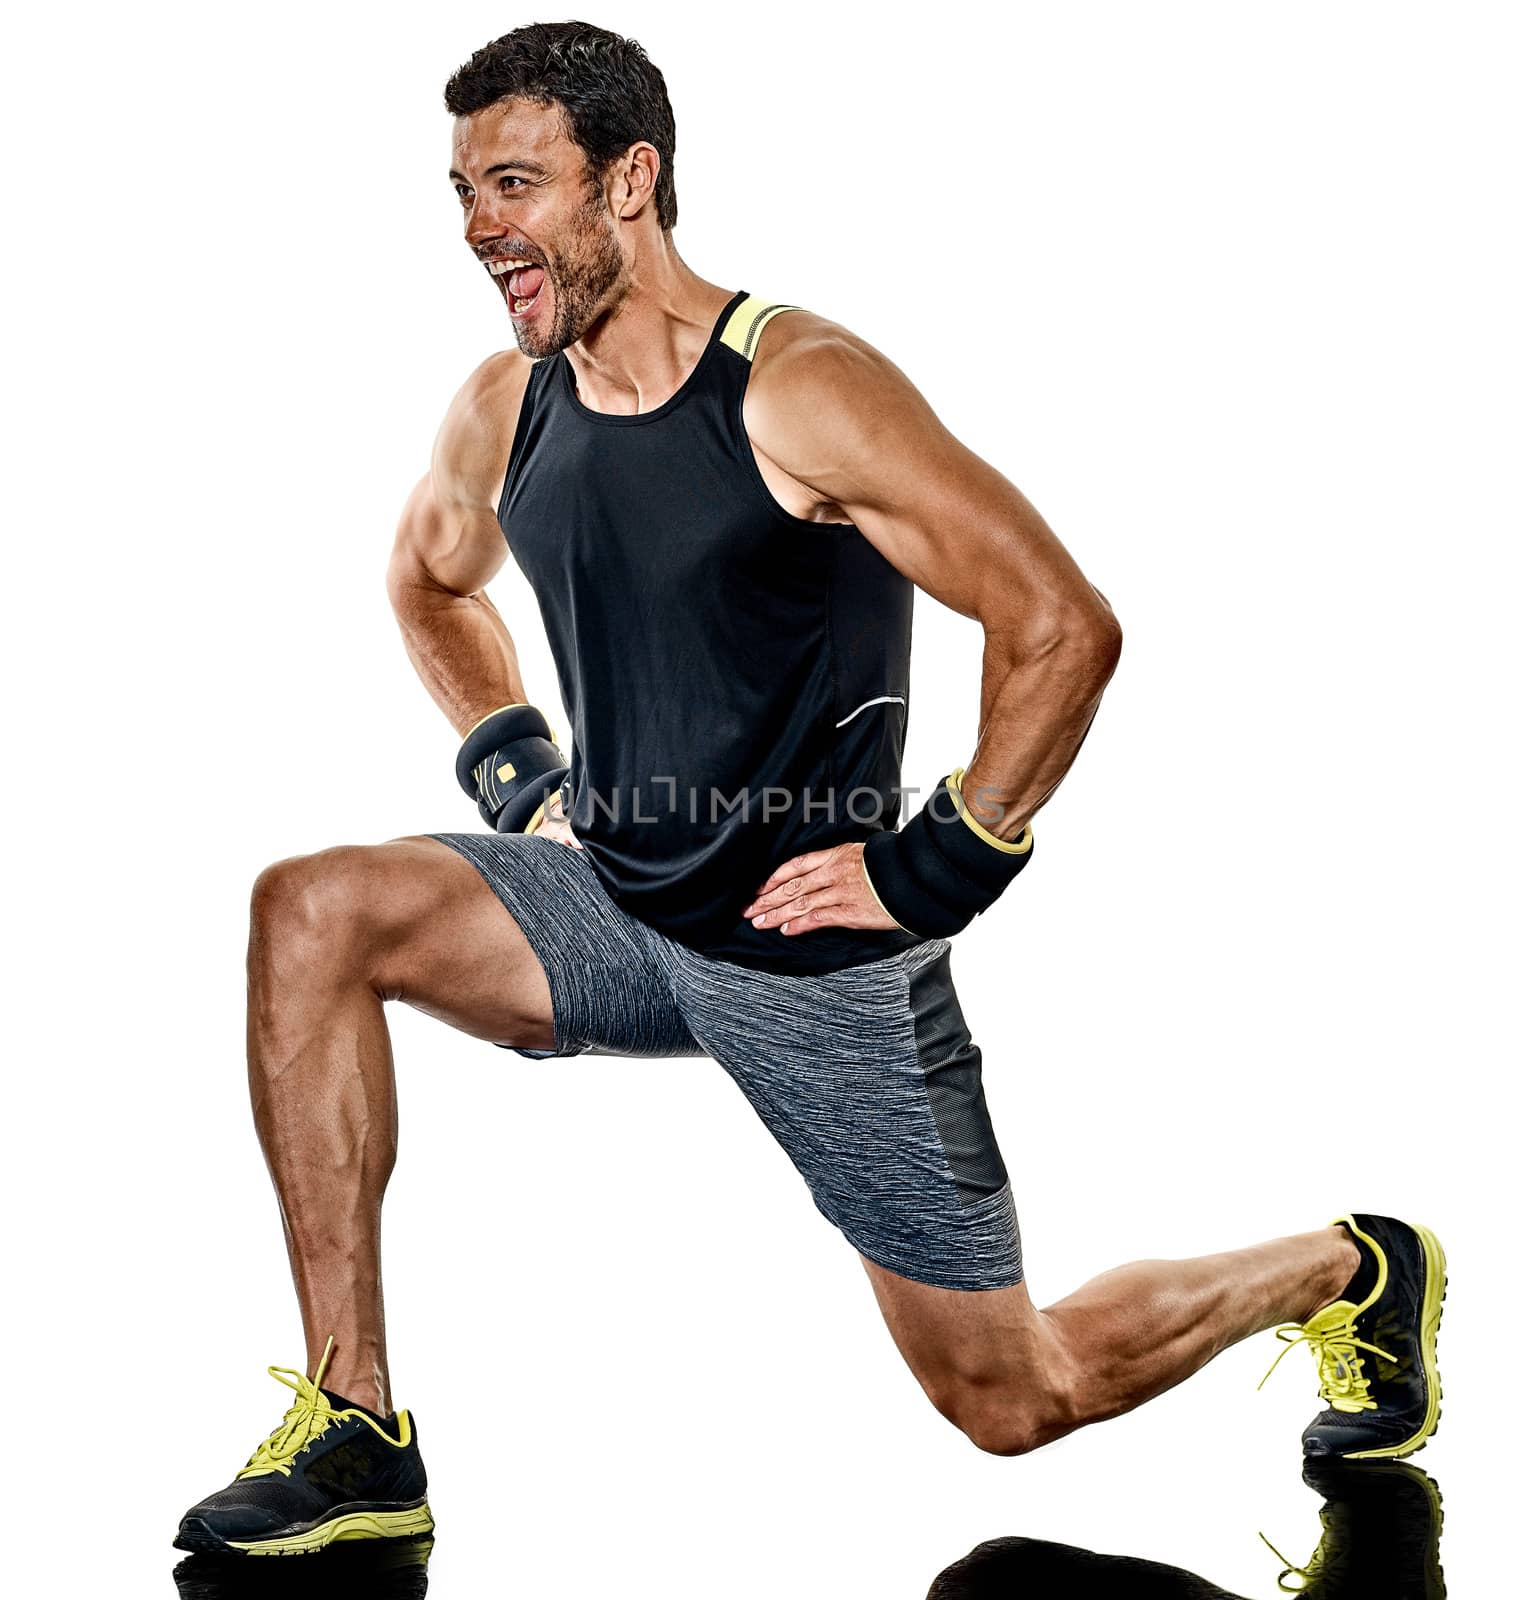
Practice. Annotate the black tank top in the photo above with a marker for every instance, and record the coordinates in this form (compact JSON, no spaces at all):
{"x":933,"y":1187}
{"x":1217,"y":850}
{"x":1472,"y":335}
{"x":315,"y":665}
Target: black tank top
{"x":735,"y":677}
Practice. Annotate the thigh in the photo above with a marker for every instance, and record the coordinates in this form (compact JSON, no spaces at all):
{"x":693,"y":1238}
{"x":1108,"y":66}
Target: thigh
{"x":435,"y":937}
{"x":609,"y":981}
{"x":871,"y":1083}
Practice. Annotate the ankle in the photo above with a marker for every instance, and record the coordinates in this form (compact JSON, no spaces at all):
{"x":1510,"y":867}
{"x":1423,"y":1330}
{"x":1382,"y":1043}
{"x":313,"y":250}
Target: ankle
{"x":369,"y":1391}
{"x":1340,"y":1261}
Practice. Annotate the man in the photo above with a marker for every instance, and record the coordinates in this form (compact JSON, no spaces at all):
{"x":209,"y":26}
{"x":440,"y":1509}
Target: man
{"x":722,"y":504}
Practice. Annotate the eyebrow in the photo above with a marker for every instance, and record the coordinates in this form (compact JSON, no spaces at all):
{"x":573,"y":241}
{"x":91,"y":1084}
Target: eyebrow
{"x":506,"y":166}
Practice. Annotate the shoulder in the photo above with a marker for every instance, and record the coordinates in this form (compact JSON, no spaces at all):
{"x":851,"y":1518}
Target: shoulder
{"x":470,"y":454}
{"x":802,"y":356}
{"x":817,"y":389}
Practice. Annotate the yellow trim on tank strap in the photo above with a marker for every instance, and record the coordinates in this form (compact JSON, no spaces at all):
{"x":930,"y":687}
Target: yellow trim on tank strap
{"x":1019,"y":848}
{"x":746,"y":323}
{"x":875,"y":896}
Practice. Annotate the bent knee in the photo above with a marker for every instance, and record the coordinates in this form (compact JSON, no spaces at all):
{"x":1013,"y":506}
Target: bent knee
{"x":1011,"y":1431}
{"x":1006,"y":1419}
{"x":310,"y":904}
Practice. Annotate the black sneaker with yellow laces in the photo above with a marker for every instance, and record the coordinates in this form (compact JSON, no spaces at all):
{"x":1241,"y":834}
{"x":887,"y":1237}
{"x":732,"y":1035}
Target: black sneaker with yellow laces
{"x":1376,"y":1347}
{"x":330,"y":1470}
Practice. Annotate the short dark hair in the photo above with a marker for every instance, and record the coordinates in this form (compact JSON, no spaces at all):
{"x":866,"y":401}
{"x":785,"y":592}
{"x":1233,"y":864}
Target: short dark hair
{"x":609,"y":90}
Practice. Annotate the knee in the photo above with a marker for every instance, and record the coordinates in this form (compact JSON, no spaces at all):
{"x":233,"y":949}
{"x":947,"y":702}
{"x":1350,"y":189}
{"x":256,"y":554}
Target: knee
{"x":307,"y":912}
{"x":1008,"y":1418}
{"x":1008,"y":1428}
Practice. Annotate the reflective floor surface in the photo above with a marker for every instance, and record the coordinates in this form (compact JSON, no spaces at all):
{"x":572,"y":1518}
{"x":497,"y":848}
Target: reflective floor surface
{"x":1380,"y":1524}
{"x":370,"y":1569}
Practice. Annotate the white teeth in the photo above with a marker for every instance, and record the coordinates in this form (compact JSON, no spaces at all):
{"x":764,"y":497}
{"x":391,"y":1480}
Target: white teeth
{"x":500,"y":269}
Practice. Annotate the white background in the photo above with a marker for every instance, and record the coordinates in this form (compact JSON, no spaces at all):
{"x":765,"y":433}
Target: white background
{"x":1241,"y":297}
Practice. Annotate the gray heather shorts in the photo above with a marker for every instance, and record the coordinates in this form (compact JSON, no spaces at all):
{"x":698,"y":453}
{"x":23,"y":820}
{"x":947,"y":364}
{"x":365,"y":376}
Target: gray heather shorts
{"x":867,"y":1076}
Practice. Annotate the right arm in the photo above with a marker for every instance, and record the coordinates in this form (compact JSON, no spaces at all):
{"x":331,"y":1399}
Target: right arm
{"x":449,"y":545}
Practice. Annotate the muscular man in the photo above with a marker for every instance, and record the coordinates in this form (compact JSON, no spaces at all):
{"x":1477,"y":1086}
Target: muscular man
{"x":722,"y":504}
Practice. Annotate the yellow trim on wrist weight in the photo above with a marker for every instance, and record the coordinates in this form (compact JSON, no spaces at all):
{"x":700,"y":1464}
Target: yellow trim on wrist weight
{"x":490,"y":714}
{"x":1019,"y":848}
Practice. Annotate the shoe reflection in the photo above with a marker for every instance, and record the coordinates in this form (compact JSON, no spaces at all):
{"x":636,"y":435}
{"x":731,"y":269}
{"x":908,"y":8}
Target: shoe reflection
{"x":365,"y":1569}
{"x":1380,"y":1526}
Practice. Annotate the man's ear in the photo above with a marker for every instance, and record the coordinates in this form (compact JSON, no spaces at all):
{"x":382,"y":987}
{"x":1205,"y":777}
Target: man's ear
{"x":637,"y":171}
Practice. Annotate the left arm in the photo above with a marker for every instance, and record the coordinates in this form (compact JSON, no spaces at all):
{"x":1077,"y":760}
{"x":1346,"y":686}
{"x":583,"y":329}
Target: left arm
{"x":836,"y":415}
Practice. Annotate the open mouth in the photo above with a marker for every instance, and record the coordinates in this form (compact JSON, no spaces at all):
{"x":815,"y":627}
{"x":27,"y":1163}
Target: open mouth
{"x":521,"y":282}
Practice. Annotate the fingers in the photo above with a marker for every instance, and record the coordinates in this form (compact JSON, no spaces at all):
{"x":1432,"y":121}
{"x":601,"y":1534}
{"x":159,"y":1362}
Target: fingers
{"x":818,"y":869}
{"x":822,"y":889}
{"x":797,"y":867}
{"x":554,"y":828}
{"x":840,"y":904}
{"x":823,"y":908}
{"x":791,"y":893}
{"x":557,"y":824}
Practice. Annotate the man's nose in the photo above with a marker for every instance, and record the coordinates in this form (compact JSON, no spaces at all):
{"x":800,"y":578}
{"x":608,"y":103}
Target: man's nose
{"x":480,"y":223}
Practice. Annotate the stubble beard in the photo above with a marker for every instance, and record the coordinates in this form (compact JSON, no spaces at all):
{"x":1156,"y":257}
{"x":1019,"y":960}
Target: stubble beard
{"x":579,"y":283}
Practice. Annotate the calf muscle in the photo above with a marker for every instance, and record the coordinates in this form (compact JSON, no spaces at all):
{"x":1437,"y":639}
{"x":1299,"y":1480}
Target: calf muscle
{"x":333,"y":936}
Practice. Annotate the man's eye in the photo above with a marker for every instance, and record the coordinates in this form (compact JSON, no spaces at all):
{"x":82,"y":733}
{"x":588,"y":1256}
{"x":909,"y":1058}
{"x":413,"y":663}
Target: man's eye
{"x":463,"y":190}
{"x":508,"y":178}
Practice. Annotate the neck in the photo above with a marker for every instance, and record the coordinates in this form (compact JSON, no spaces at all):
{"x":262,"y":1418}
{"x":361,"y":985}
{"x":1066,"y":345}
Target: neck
{"x":643,"y":347}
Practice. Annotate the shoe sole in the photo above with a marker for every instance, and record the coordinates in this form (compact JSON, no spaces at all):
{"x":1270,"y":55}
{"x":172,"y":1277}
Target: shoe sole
{"x":1433,"y":1291}
{"x":411,"y":1522}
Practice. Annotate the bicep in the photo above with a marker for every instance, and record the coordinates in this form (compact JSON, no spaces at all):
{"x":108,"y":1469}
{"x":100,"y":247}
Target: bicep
{"x":445,"y":544}
{"x":448,"y":535}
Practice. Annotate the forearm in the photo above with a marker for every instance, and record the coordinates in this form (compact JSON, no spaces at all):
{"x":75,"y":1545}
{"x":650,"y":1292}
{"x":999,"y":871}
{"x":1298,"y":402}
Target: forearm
{"x":460,"y":648}
{"x":1040,"y":694}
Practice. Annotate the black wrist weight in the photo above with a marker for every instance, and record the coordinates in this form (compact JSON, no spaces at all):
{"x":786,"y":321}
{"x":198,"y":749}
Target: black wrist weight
{"x":509,"y":765}
{"x":942,"y":867}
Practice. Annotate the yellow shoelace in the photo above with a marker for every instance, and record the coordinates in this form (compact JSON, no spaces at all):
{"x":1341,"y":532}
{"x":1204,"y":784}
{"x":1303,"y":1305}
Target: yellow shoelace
{"x":1306,"y":1575}
{"x":306,"y":1420}
{"x":1332,"y":1336}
